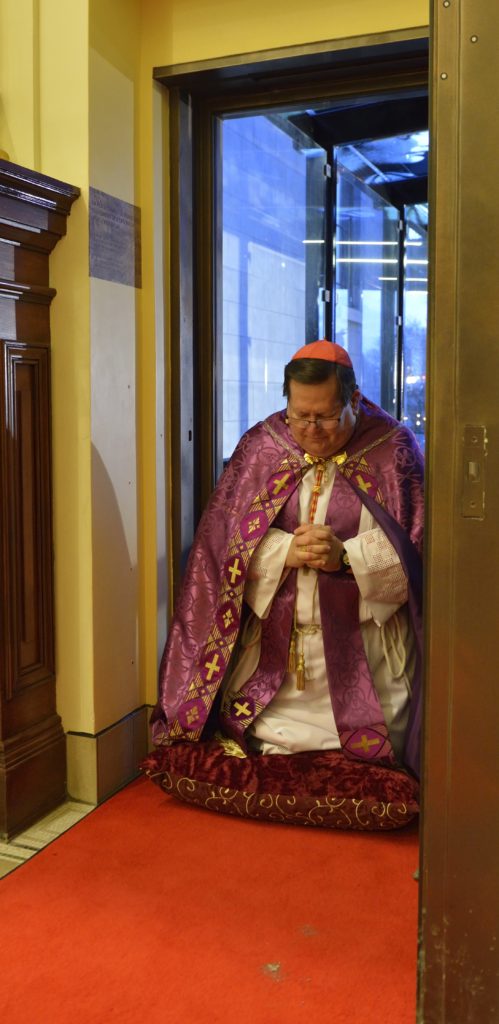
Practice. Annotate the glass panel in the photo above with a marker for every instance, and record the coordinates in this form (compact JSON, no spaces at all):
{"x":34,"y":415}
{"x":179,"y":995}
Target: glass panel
{"x":415,"y":320}
{"x":272,"y":220}
{"x":366,"y":262}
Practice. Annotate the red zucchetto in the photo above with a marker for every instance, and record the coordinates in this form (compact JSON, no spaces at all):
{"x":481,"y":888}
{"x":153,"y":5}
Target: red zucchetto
{"x":324,"y":350}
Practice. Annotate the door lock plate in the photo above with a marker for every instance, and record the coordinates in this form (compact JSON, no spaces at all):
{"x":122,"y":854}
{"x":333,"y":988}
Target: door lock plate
{"x":474,"y":454}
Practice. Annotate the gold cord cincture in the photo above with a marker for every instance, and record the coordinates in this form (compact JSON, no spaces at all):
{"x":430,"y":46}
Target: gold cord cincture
{"x":300,"y":672}
{"x":292,"y":652}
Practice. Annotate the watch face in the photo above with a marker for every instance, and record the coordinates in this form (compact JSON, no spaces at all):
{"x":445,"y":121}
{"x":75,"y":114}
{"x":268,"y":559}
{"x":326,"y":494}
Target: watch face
{"x":345,"y":559}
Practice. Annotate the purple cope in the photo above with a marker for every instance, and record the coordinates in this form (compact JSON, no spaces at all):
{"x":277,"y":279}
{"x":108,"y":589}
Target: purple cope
{"x":382,"y":468}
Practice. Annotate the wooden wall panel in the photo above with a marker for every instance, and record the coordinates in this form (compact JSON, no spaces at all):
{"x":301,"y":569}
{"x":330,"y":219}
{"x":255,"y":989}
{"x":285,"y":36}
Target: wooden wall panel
{"x":28,"y":501}
{"x":33,"y":212}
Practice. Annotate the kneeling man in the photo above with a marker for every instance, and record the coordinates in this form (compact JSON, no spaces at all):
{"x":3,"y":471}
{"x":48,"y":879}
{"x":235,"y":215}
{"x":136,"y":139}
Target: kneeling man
{"x":299,"y":620}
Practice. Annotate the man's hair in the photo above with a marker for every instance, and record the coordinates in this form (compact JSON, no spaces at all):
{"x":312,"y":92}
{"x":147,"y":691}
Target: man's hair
{"x":316,"y":371}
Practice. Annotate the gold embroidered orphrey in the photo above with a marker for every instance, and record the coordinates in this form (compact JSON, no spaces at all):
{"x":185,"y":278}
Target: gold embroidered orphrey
{"x":216,"y":653}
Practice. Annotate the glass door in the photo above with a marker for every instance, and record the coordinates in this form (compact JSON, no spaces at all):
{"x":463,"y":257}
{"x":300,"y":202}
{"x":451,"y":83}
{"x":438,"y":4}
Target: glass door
{"x":415,"y":318}
{"x":271,"y":288}
{"x":315,"y":241}
{"x":367,"y":280}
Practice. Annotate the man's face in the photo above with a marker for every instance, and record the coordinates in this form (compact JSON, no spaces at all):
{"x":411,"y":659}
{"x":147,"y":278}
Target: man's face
{"x":332,"y":422}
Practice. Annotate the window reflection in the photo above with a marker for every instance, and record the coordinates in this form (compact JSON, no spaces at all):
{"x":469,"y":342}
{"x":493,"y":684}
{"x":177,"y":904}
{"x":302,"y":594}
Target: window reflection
{"x":273,"y":262}
{"x":415,"y":321}
{"x":286,"y":239}
{"x":367,"y":259}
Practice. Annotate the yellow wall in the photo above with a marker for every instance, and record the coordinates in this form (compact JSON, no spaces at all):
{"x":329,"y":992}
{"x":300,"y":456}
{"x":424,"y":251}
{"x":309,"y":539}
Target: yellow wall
{"x":19,"y":121}
{"x":179,"y":31}
{"x":43,"y":125}
{"x":67,"y":71}
{"x":114,"y":348}
{"x":63,"y":153}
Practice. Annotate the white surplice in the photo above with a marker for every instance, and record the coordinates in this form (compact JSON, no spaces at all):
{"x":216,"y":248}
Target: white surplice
{"x":303,"y":719}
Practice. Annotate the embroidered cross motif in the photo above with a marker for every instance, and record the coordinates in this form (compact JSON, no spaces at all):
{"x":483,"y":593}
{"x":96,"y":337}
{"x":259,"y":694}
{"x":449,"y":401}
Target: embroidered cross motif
{"x":254,"y":525}
{"x":234,"y":571}
{"x":363,"y":484}
{"x":280,"y":484}
{"x":192,"y":715}
{"x":212,"y":667}
{"x":242,"y":709}
{"x":365,"y":744}
{"x":228,"y":618}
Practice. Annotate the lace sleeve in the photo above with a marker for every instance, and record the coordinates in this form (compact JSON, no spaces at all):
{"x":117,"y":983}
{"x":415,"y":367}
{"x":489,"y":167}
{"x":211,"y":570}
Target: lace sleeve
{"x":378,"y":572}
{"x":267,"y":571}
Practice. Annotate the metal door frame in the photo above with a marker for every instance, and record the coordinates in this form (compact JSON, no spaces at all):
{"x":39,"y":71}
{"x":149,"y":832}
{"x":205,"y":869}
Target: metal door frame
{"x":459,"y":969}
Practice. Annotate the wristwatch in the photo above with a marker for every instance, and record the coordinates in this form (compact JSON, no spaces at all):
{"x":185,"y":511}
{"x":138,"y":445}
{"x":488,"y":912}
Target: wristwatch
{"x":345,"y":561}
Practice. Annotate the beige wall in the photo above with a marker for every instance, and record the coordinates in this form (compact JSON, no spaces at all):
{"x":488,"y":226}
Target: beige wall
{"x":114,"y":351}
{"x":77,"y":102}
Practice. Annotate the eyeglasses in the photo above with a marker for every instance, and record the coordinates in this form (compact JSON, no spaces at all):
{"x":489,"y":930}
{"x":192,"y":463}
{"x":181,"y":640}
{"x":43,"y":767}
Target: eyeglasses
{"x":321,"y":422}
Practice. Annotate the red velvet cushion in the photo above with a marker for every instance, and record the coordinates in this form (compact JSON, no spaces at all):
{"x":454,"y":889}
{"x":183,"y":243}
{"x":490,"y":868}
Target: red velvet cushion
{"x":310,"y":788}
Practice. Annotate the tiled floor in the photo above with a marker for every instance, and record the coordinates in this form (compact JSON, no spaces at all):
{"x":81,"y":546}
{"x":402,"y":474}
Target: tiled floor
{"x":26,"y":844}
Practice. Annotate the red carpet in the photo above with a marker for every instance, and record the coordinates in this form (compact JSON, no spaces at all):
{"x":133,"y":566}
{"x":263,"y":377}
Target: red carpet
{"x":149,"y":911}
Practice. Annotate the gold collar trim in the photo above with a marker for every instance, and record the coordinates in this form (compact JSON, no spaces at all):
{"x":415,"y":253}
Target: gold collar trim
{"x":340,"y":459}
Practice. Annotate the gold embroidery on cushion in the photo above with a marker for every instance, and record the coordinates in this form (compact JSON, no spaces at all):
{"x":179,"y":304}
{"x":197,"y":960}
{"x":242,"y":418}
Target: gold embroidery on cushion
{"x":328,"y":812}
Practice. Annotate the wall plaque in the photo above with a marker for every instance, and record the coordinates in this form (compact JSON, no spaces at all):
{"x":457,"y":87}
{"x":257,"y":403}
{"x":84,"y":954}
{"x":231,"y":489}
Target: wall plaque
{"x":114,"y":239}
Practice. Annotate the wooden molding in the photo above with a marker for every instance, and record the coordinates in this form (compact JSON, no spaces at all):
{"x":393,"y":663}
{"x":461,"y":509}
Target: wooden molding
{"x":33,"y":213}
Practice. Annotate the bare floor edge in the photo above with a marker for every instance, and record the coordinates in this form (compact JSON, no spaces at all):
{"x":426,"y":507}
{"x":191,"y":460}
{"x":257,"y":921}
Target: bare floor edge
{"x":20,"y":849}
